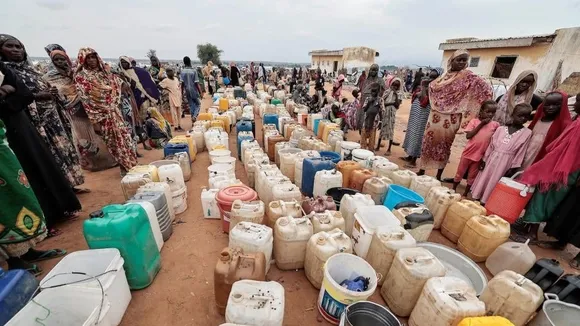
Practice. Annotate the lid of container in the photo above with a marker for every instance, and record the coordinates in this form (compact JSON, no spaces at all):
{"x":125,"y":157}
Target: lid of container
{"x":372,"y":216}
{"x":241,"y":192}
{"x":362,"y":153}
{"x":349,"y":145}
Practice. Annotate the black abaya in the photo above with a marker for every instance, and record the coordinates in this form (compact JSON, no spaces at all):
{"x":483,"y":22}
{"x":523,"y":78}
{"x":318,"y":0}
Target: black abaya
{"x":52,"y":189}
{"x":564,"y":224}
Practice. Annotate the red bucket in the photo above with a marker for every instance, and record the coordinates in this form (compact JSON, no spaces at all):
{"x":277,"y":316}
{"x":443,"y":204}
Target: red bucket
{"x":508,"y":199}
{"x":226,"y":197}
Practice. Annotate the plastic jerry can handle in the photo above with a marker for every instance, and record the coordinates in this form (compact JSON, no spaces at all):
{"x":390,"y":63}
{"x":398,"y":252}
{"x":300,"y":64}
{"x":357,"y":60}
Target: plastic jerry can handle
{"x":97,"y":214}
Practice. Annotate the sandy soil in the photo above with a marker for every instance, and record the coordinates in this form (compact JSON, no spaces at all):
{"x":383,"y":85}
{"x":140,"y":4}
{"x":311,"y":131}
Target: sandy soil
{"x":182,"y":293}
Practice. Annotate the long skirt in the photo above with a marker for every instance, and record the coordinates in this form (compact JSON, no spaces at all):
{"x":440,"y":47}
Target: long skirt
{"x":564,"y":223}
{"x":543,"y":204}
{"x":416,"y":129}
{"x":388,"y":126}
{"x":438,"y":139}
{"x":21,"y":217}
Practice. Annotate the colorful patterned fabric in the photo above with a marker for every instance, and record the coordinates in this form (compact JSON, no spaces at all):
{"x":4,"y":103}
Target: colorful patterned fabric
{"x":51,"y":122}
{"x":21,"y":218}
{"x":438,"y":139}
{"x":418,"y":117}
{"x":100,"y":94}
{"x":459,"y":92}
{"x":508,"y":101}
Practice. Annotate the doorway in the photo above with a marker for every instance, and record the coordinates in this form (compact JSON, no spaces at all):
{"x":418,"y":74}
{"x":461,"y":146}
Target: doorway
{"x":335,"y":66}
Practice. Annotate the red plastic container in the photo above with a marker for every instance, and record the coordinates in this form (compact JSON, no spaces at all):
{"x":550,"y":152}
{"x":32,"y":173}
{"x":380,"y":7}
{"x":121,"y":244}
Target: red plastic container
{"x":508,"y":199}
{"x":226,"y":197}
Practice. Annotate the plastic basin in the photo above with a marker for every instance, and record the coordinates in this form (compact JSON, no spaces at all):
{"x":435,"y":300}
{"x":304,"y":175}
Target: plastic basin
{"x":338,"y":192}
{"x":398,"y":194}
{"x":335,"y":157}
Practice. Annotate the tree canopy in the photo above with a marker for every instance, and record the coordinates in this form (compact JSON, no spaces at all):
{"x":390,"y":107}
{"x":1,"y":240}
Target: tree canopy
{"x":208,"y":52}
{"x":151,"y":53}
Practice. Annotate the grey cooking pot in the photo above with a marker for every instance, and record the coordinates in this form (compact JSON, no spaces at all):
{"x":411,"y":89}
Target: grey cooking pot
{"x":556,"y":313}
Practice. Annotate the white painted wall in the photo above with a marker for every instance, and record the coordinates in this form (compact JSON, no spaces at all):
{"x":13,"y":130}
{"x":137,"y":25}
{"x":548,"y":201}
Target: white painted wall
{"x":566,"y":47}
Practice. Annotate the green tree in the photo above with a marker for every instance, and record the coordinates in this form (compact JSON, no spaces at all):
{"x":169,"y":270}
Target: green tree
{"x":151,"y":53}
{"x":208,"y":52}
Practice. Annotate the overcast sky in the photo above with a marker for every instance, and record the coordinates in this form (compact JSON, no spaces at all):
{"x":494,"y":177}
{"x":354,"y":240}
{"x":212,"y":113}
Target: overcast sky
{"x":403,"y":31}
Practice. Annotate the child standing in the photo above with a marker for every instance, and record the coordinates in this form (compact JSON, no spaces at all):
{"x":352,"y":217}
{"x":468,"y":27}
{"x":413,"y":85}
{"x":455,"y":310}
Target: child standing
{"x":505,"y":153}
{"x":479,"y":132}
{"x":372,"y":108}
{"x":392,"y":101}
{"x":172,"y":88}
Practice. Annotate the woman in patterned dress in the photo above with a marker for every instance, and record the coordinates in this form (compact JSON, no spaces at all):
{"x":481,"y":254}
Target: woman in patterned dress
{"x":46,"y":111}
{"x":455,"y":99}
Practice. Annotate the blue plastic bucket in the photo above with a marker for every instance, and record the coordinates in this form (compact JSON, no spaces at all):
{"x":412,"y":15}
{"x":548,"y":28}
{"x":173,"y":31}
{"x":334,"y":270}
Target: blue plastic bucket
{"x":335,"y":157}
{"x":398,"y":194}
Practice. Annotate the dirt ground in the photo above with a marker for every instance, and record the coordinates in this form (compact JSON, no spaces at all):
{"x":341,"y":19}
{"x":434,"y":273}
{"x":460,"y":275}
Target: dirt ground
{"x":182,"y":293}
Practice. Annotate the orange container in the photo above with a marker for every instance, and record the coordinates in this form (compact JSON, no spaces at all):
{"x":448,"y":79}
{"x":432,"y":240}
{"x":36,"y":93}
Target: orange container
{"x":272,"y":146}
{"x":226,"y":197}
{"x":205,"y":116}
{"x":347,"y":168}
{"x":508,"y":199}
{"x":358,"y":178}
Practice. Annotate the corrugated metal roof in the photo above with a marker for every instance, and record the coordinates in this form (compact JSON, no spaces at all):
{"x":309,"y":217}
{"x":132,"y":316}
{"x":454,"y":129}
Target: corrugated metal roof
{"x":470,"y":40}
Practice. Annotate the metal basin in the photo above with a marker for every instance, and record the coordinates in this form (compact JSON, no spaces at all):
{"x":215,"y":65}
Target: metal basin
{"x":458,"y":265}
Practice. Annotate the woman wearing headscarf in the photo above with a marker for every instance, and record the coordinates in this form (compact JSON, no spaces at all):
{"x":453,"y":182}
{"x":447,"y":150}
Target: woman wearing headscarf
{"x":361,"y":80}
{"x":39,"y":169}
{"x":337,"y":87}
{"x":144,"y":88}
{"x":418,"y":116}
{"x":94,"y":155}
{"x":156,"y":70}
{"x":100,"y":94}
{"x":373,"y":78}
{"x":252,"y":74}
{"x":158,"y":129}
{"x":45,"y":111}
{"x":234,"y":74}
{"x":392,"y":99}
{"x":208,"y":76}
{"x":521,"y":91}
{"x":201,"y":80}
{"x":455,"y":99}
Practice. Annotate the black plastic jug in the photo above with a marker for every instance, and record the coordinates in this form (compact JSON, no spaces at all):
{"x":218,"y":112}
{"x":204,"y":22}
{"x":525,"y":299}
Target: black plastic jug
{"x":545,"y":273}
{"x":567,"y":288}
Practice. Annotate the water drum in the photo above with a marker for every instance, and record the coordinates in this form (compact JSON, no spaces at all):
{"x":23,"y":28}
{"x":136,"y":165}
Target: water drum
{"x":219,"y":152}
{"x":508,"y":199}
{"x":361,"y":156}
{"x":227,"y":160}
{"x":221,"y":169}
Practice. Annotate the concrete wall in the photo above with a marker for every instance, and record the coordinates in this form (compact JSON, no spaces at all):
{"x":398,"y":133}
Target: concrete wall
{"x":358,"y":57}
{"x":326,"y":62}
{"x":542,"y":58}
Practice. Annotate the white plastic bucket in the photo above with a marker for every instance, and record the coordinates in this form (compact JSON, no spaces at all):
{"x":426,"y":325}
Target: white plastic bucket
{"x":221,"y":169}
{"x":333,"y":298}
{"x":224,"y":160}
{"x":180,"y":200}
{"x":219,"y":152}
{"x":346,"y":148}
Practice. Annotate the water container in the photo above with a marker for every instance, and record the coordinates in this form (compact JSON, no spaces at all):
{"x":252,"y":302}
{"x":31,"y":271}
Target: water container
{"x":330,"y":155}
{"x":416,"y":219}
{"x":183,"y":162}
{"x":366,"y":221}
{"x":373,"y":161}
{"x":333,"y":137}
{"x":219,"y":153}
{"x":403,"y":177}
{"x":170,"y":149}
{"x":149,"y":170}
{"x":367,"y":313}
{"x":285,"y":192}
{"x":256,"y":303}
{"x":338,"y":192}
{"x":287,"y":158}
{"x":209,"y":204}
{"x":361,"y":156}
{"x":385,"y":169}
{"x":173,"y":175}
{"x":377,"y":188}
{"x":319,"y":129}
{"x":513,"y":256}
{"x":243,"y":135}
{"x":224,"y":104}
{"x":152,"y":215}
{"x":545,"y":273}
{"x":221,"y":169}
{"x":347,"y":168}
{"x":272,"y":141}
{"x":65,"y":306}
{"x":348,"y":207}
{"x":386,"y":241}
{"x":438,"y":200}
{"x":252,"y":211}
{"x":252,"y":237}
{"x":567,"y":288}
{"x":346,"y":148}
{"x":322,"y":246}
{"x":291,"y":236}
{"x":289,"y":129}
{"x":268,"y":184}
{"x":227,"y":160}
{"x":233,"y":265}
{"x":306,"y":143}
{"x":248,"y":148}
{"x":280,"y":208}
{"x":311,"y":118}
{"x":131,"y":182}
{"x":270,"y":119}
{"x":309,"y":169}
{"x":482,"y":235}
{"x":204,"y":116}
{"x":457,"y":216}
{"x":299,"y":163}
{"x":197,"y":135}
{"x":326,"y":179}
{"x":17,"y":286}
{"x":333,"y":297}
{"x":512,"y":296}
{"x":127,"y":228}
{"x":398,"y":194}
{"x":226,"y":197}
{"x":445,"y":301}
{"x":359,"y":177}
{"x":318,"y":204}
{"x":164,"y":188}
{"x":278,"y":147}
{"x":315,"y":125}
{"x":106,"y":265}
{"x":282,"y":122}
{"x":410,"y":270}
{"x":190,"y":143}
{"x":328,"y":128}
{"x":244,"y":125}
{"x":326,"y":221}
{"x":226,"y":122}
{"x":421,"y":184}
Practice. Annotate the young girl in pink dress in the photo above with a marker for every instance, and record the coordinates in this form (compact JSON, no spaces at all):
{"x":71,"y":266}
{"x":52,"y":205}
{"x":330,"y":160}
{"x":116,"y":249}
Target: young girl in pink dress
{"x":505,"y":153}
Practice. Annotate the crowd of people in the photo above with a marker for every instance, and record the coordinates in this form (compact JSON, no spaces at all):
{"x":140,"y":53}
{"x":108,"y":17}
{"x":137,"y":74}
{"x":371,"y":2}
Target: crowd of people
{"x":88,"y":115}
